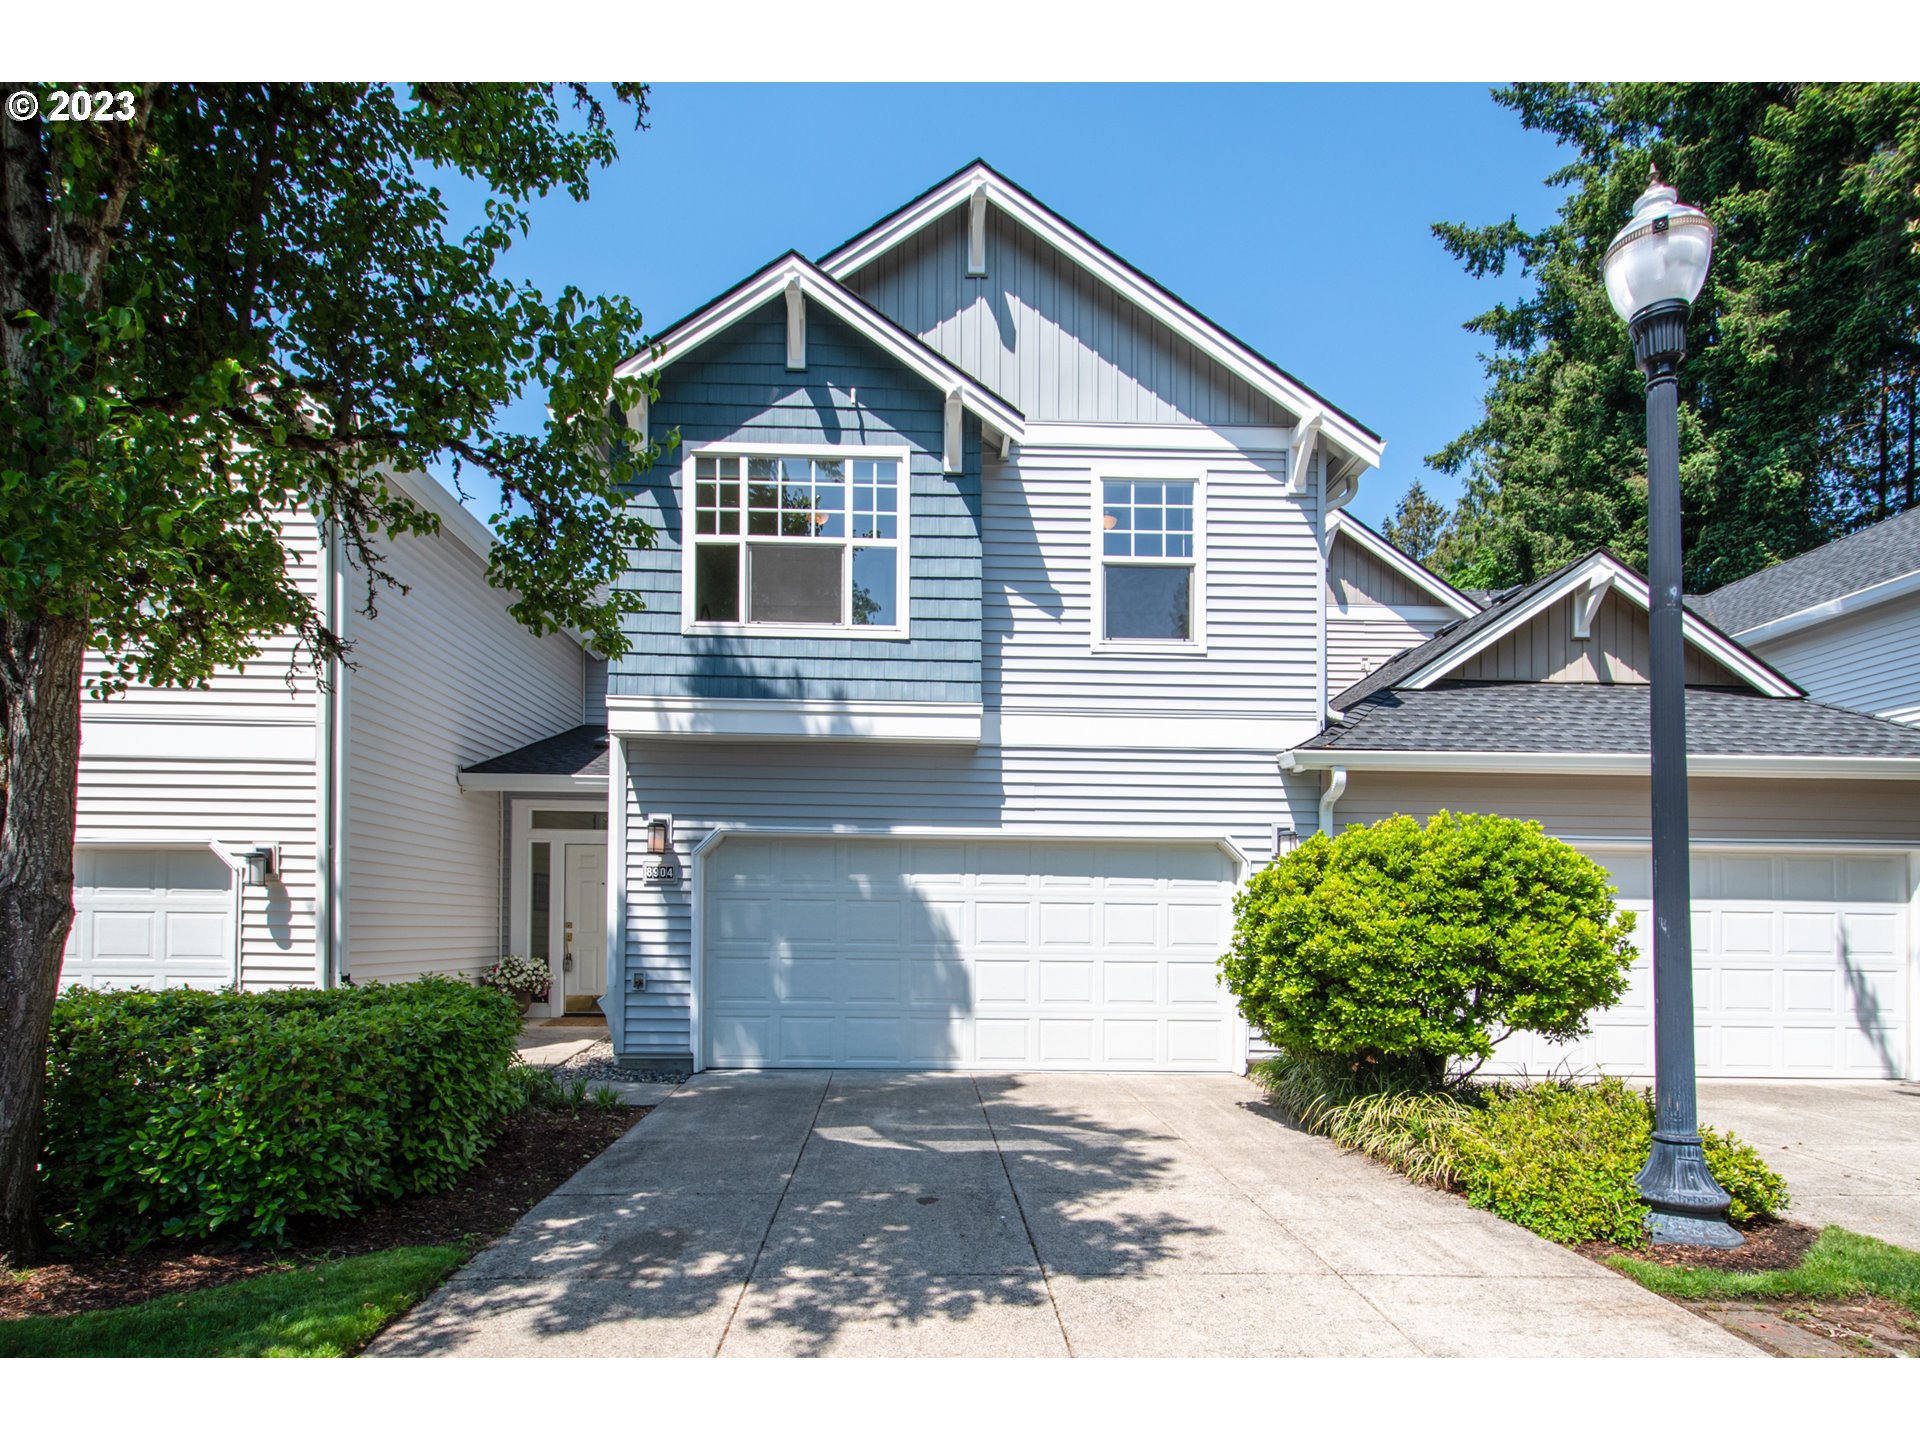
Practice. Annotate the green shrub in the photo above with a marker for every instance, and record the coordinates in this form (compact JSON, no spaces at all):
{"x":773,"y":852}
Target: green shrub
{"x":191,"y":1113}
{"x":1560,"y":1158}
{"x":1398,"y":948}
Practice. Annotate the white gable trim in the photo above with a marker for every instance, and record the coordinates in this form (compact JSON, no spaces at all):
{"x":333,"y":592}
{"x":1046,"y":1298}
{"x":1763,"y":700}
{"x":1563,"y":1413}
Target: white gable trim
{"x":1402,"y":564}
{"x":1700,"y":635}
{"x":1186,"y":322}
{"x":1830,"y":609}
{"x":798,"y":279}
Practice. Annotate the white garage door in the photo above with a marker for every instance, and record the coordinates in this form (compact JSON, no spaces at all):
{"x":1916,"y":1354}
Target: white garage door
{"x":1800,"y":965}
{"x":991,"y":954}
{"x":152,"y":918}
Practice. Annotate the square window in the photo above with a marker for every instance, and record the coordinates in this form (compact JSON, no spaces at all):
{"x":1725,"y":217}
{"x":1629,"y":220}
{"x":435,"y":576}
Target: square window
{"x":1149,"y":602}
{"x":795,"y":584}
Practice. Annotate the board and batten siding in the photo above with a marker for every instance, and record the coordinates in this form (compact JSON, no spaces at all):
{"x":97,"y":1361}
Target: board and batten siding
{"x":1161,"y":794}
{"x":736,"y":388}
{"x":1867,"y":661}
{"x":1040,"y":331}
{"x":1544,"y":649}
{"x":233,"y":762}
{"x":445,"y":677}
{"x":1373,"y":613}
{"x":1260,"y":575}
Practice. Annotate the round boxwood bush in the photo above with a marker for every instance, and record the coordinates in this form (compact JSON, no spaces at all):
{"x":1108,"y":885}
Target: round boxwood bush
{"x":1398,"y":949}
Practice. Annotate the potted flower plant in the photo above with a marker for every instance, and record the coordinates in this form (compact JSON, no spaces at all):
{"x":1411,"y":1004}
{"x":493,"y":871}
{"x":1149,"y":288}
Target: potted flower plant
{"x":525,"y":979}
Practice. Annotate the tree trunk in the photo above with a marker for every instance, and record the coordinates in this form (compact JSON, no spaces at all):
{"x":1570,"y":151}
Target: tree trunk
{"x":40,"y":675}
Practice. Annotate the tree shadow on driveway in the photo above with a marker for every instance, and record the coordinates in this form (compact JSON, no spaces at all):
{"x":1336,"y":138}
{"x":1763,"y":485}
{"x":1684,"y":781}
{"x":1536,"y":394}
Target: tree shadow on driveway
{"x":806,"y":1213}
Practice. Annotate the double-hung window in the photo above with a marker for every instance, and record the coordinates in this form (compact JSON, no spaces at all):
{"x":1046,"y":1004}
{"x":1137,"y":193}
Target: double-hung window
{"x":807,"y":542}
{"x":1147,"y":570}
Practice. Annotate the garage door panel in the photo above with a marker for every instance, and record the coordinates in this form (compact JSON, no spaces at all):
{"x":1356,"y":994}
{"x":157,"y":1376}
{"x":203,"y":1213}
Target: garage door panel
{"x":153,"y":917}
{"x":1800,"y":967}
{"x":1070,"y":955}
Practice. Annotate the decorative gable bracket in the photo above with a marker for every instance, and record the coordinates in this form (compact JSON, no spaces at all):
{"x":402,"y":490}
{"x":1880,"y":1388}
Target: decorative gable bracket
{"x":1586,"y":604}
{"x":796,"y":326}
{"x":977,"y":231}
{"x":952,"y":451}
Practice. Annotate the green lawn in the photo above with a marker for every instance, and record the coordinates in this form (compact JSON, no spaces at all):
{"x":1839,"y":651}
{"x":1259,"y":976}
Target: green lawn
{"x":1840,"y":1265}
{"x":325,"y":1309}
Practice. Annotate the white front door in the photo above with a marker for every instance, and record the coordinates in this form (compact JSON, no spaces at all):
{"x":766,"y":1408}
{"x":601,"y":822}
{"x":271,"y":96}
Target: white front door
{"x":993,"y":954}
{"x":584,"y":934}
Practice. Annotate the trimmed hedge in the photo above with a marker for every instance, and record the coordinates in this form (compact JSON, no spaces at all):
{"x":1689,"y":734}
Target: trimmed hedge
{"x":193,"y":1113}
{"x":1560,"y":1157}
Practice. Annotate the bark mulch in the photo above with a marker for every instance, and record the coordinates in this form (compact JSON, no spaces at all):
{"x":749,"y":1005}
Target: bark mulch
{"x":1770,"y":1245}
{"x":532,"y":1154}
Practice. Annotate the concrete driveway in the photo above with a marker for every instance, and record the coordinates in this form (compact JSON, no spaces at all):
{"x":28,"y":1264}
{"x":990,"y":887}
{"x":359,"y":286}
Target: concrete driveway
{"x":1850,"y":1153}
{"x":861,"y":1213}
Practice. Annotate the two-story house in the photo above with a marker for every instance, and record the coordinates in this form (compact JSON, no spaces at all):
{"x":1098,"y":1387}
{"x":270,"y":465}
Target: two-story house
{"x":1002,"y":618}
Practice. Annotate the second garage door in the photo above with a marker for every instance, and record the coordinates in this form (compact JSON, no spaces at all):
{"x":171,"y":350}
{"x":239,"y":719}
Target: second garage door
{"x":978,"y":953}
{"x":152,"y":918}
{"x":1800,"y":969}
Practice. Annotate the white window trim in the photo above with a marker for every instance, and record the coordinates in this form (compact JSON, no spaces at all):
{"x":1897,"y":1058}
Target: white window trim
{"x":1097,"y":581}
{"x":746,"y":629}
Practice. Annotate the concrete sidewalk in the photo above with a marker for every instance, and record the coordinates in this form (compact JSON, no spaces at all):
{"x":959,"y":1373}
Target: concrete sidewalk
{"x":860,"y":1213}
{"x":1849,"y":1151}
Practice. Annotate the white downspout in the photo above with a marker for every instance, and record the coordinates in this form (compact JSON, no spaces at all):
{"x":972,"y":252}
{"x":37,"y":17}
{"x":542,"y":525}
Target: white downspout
{"x":325,"y":723}
{"x":1332,"y":788}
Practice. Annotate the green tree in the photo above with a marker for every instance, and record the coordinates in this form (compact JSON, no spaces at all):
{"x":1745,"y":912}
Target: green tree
{"x":223,"y":304}
{"x":1798,"y":398}
{"x":1417,"y":522}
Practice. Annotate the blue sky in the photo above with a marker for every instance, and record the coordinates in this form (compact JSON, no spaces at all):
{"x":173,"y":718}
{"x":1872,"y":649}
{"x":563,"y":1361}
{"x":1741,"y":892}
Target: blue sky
{"x":1295,"y":215}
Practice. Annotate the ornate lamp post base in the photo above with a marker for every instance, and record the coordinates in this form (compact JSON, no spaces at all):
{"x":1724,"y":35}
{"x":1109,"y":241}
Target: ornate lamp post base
{"x":1688,"y":1207}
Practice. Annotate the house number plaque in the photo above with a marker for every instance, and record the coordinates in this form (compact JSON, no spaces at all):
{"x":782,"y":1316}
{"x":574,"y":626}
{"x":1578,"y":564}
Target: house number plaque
{"x":660,"y":870}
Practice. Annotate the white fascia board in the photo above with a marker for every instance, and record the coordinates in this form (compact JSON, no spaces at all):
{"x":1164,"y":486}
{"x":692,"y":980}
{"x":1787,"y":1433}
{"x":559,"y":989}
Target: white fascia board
{"x":1699,"y":634}
{"x":1830,"y":610}
{"x":108,"y":737}
{"x":1184,"y":321}
{"x":455,"y":519}
{"x":912,"y":722}
{"x":1403,"y":564}
{"x":489,"y":782}
{"x":1096,"y":729}
{"x":849,"y":309}
{"x":1107,"y":437}
{"x":1779,"y":767}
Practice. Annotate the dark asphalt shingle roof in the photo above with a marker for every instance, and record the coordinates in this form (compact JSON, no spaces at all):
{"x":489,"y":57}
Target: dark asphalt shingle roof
{"x":1536,"y":718}
{"x":1853,"y":562}
{"x":580,"y":751}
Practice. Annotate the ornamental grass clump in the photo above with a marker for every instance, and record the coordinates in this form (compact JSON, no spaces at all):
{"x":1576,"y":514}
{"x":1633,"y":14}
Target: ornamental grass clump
{"x":1402,"y":953}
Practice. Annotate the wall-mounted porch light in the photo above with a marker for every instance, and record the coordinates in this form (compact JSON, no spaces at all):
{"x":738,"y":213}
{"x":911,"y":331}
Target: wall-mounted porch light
{"x":261,"y":864}
{"x":659,"y":834}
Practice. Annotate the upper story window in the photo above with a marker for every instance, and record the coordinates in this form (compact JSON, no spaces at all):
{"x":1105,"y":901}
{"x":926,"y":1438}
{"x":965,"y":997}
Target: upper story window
{"x":1147,"y":568}
{"x":798,"y":541}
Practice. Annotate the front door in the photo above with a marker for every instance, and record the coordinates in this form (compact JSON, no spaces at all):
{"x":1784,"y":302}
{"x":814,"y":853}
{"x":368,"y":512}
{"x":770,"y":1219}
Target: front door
{"x":584,"y":927}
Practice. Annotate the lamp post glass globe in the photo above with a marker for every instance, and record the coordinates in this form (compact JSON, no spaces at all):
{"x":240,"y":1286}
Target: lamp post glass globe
{"x":1660,"y":255}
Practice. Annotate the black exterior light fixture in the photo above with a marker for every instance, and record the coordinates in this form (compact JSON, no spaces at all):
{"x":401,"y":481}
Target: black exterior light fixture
{"x":659,"y":834}
{"x":260,"y":865}
{"x":1654,"y":270}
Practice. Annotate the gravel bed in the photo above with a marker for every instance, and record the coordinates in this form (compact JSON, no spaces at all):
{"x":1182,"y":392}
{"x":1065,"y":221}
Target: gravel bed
{"x":596,"y":1062}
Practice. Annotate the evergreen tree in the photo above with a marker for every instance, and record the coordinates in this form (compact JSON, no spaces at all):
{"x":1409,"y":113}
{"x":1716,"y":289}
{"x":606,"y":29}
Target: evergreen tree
{"x":1417,"y":522}
{"x":1798,"y":408}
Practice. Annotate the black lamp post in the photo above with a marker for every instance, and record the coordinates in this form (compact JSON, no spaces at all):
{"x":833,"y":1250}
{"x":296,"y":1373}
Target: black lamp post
{"x":1654,"y":269}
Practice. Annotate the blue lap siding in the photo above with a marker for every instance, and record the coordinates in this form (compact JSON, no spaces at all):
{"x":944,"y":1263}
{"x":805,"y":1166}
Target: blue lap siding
{"x":737,"y":388}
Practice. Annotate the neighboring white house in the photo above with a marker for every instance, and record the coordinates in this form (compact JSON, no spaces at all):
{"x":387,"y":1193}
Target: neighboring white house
{"x":381,"y":866}
{"x":1002,"y":618}
{"x":1843,"y":620}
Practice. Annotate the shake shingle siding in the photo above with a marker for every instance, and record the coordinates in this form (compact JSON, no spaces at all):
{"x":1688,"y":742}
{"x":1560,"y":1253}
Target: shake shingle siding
{"x":737,"y":388}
